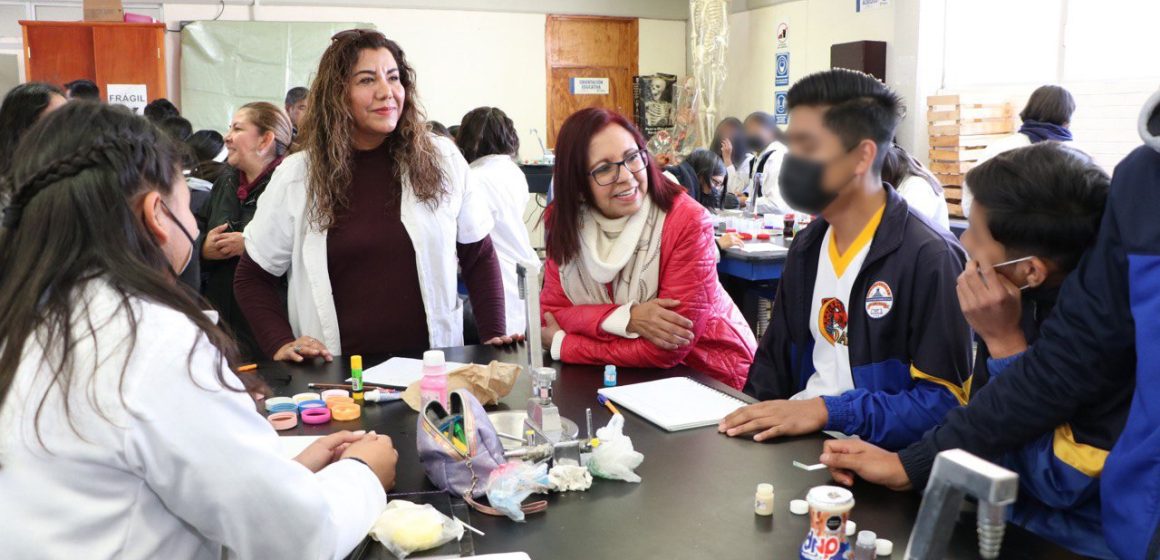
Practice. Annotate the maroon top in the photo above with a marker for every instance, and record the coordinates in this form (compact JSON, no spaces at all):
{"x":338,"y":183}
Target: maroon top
{"x":373,"y":275}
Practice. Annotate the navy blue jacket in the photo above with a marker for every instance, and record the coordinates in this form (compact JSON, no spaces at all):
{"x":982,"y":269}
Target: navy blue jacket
{"x":910,"y":365}
{"x":1102,"y":338}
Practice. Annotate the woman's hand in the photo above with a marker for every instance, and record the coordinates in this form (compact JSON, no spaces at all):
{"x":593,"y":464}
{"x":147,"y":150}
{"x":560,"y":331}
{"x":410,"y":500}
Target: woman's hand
{"x":209,"y":249}
{"x":231,"y":244}
{"x":304,"y":347}
{"x":727,"y":151}
{"x":666,"y":329}
{"x":505,"y":340}
{"x":548,"y":331}
{"x":327,"y":449}
{"x":378,"y":452}
{"x":729,"y":240}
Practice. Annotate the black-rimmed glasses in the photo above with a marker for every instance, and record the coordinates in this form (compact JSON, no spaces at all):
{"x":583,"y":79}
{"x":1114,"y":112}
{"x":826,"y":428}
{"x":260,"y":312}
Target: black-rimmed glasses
{"x":608,"y":173}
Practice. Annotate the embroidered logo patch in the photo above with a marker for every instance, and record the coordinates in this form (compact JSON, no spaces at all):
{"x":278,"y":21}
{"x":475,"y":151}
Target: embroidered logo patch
{"x":879,"y":300}
{"x":832,"y":320}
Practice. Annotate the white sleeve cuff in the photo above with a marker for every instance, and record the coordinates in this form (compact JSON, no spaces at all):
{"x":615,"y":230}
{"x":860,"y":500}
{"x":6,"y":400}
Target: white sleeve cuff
{"x":557,"y":344}
{"x":616,"y":323}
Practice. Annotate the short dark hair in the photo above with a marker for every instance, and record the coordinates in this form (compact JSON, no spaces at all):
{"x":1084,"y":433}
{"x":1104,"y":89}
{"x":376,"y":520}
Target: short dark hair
{"x":859,"y":106}
{"x":768,"y":122}
{"x":83,"y":89}
{"x":20,"y":110}
{"x":1049,"y":104}
{"x":437,"y":127}
{"x":705,"y":164}
{"x":160,"y":109}
{"x":1046,"y":200}
{"x":206,"y":144}
{"x":177,"y":128}
{"x":453,"y":130}
{"x":295,"y":95}
{"x":487,"y":131}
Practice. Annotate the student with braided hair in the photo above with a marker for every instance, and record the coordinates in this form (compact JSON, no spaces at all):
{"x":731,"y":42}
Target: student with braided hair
{"x":123,"y":433}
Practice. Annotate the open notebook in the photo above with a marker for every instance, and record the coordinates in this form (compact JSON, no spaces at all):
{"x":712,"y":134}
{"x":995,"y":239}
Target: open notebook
{"x":675,"y":403}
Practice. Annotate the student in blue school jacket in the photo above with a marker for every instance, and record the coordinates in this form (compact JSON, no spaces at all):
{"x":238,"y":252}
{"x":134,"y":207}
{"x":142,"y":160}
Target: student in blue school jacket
{"x":866,"y":337}
{"x":1100,"y":340}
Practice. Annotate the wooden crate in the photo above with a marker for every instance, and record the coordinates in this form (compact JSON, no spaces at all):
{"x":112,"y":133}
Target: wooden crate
{"x":961,"y":127}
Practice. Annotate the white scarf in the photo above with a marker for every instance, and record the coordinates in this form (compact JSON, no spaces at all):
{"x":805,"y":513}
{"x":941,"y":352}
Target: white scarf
{"x":623,"y":251}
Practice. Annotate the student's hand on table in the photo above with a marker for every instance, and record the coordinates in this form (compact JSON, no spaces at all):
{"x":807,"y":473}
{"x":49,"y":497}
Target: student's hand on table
{"x":729,"y":240}
{"x":727,"y":151}
{"x":231,"y":244}
{"x":849,"y":457}
{"x":301,"y":349}
{"x":776,"y":419}
{"x":505,"y":340}
{"x":654,"y":321}
{"x":993,"y":307}
{"x":548,"y":331}
{"x":379,"y":453}
{"x":327,"y":449}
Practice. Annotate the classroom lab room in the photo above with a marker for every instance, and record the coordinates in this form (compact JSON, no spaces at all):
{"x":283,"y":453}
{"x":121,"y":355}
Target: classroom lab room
{"x":579,"y":279}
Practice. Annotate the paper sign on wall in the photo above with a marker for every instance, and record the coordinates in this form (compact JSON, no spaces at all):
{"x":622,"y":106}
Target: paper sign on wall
{"x":860,"y":5}
{"x":133,"y":96}
{"x":783,"y":35}
{"x":781,"y":73}
{"x":589,"y":86}
{"x":780,"y":112}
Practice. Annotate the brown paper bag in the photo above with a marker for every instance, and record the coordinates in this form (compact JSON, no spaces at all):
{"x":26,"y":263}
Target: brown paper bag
{"x":488,"y":383}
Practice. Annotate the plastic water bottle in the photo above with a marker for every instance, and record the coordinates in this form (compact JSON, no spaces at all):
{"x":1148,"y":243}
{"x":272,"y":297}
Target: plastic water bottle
{"x":433,"y":386}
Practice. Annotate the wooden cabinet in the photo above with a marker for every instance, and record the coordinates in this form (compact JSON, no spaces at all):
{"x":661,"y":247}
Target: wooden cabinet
{"x":104,"y":52}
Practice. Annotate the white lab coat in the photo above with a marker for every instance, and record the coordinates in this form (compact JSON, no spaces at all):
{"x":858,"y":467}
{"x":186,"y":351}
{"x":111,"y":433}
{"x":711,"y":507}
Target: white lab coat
{"x":505,"y":189}
{"x":737,"y":178}
{"x":1012,"y":142}
{"x":922,"y":198}
{"x":770,"y":201}
{"x":281,"y":240}
{"x":167,"y":463}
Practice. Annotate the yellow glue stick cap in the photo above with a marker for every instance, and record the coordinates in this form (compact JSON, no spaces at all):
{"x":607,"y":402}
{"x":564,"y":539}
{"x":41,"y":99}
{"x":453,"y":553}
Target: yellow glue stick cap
{"x":356,"y":362}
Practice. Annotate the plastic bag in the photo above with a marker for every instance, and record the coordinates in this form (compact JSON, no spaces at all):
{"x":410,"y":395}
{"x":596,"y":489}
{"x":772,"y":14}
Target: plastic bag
{"x":406,"y":527}
{"x":615,"y":458}
{"x":512,"y":483}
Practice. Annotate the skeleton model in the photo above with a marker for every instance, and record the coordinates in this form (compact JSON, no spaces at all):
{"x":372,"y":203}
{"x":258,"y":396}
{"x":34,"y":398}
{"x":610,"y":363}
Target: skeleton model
{"x":657,"y":111}
{"x":709,"y":37}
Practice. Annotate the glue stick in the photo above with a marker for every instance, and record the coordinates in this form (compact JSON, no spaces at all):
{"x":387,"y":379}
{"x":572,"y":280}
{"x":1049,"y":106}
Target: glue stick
{"x":356,"y":376}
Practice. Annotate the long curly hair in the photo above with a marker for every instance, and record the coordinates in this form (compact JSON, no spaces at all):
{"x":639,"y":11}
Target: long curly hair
{"x":326,"y":131}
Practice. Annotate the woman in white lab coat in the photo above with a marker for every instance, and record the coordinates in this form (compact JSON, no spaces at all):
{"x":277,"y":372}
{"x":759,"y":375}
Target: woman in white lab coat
{"x":921,"y":190}
{"x":369,"y":223}
{"x":488,"y":139}
{"x":123,"y":433}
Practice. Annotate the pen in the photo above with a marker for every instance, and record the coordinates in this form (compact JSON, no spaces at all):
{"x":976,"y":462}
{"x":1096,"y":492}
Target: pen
{"x":604,"y":401}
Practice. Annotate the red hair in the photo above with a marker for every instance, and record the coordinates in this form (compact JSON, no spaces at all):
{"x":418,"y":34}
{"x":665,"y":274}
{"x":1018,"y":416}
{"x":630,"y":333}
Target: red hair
{"x":570,"y":184}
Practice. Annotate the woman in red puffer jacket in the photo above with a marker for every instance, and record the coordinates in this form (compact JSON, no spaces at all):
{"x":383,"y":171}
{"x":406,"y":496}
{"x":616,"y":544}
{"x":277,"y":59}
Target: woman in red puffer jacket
{"x":631,"y":277}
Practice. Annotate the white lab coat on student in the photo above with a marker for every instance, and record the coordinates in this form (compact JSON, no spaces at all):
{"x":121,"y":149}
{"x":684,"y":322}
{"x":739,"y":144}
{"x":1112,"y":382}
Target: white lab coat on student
{"x":1012,"y":142}
{"x":737,"y":180}
{"x":770,"y":201}
{"x":281,"y":240}
{"x":167,"y":463}
{"x":505,"y":188}
{"x":921,"y":197}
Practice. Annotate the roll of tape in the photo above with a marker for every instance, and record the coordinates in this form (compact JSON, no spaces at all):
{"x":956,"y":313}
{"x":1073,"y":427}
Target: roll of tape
{"x":332,"y":401}
{"x":283,"y":420}
{"x":316,"y":415}
{"x":343,"y":412}
{"x":307,"y":397}
{"x":304,"y":405}
{"x":335,"y":393}
{"x":274,"y":401}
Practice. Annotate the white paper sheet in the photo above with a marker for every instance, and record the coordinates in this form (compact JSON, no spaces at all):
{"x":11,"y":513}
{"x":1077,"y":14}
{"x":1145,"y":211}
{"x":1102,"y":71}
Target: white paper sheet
{"x":763,"y":248}
{"x":399,"y":372}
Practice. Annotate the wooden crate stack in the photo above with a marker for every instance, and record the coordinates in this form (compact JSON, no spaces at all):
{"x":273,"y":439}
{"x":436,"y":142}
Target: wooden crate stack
{"x":961,"y":127}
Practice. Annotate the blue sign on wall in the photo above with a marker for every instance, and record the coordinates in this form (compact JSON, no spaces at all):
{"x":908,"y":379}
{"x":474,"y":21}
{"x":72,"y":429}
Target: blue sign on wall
{"x":780,"y":113}
{"x":781,"y":76}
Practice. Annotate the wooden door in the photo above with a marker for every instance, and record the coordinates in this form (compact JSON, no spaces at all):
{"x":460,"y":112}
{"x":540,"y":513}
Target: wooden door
{"x":57,"y":54}
{"x":131,"y":55}
{"x":589,"y":47}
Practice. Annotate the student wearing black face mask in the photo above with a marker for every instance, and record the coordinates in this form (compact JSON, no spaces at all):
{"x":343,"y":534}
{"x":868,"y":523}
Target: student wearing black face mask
{"x":766,"y":139}
{"x":1037,"y":209}
{"x":866,"y":336}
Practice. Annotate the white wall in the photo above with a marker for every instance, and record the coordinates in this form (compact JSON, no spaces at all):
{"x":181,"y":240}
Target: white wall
{"x":463,"y":59}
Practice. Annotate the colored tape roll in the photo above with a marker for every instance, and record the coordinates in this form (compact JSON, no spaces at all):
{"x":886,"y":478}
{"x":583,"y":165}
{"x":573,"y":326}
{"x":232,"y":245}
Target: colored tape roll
{"x":307,"y":397}
{"x":283,"y":420}
{"x":274,"y":401}
{"x":335,"y":393}
{"x":332,"y":401}
{"x":305,"y":405}
{"x":316,"y":415}
{"x":343,"y":412}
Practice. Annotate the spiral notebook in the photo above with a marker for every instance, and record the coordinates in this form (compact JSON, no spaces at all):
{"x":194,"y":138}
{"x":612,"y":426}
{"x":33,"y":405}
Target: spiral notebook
{"x":674,"y":403}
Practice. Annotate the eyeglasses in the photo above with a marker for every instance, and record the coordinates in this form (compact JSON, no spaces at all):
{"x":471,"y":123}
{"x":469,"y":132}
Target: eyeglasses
{"x":608,"y":173}
{"x":350,"y":33}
